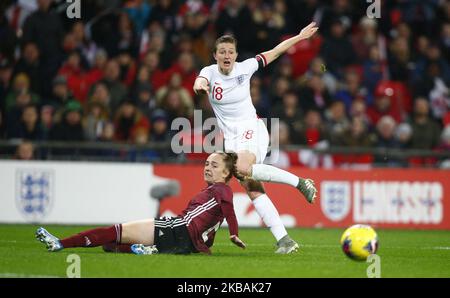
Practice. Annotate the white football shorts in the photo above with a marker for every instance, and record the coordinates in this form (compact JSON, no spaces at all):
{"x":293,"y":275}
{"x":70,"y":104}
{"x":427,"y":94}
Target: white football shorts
{"x":251,"y":135}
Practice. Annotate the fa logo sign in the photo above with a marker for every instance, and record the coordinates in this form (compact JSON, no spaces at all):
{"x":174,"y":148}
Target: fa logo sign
{"x":73,"y":11}
{"x":373,"y":11}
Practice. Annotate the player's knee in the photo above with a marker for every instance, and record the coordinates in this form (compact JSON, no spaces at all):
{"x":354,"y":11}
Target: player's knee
{"x":254,"y":188}
{"x":243,"y":168}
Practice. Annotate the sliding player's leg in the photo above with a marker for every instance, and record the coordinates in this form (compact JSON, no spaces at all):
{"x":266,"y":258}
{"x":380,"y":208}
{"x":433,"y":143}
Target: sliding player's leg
{"x":133,"y":232}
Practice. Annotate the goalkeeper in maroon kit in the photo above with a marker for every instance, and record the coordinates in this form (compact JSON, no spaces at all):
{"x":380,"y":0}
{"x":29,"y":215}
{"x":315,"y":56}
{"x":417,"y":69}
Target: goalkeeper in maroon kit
{"x":192,"y":231}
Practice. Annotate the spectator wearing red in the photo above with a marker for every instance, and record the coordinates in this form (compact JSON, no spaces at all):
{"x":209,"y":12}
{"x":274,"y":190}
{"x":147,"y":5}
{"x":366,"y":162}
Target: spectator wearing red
{"x":157,"y":76}
{"x":312,"y":130}
{"x":77,"y":79}
{"x":384,"y":104}
{"x":186,"y":69}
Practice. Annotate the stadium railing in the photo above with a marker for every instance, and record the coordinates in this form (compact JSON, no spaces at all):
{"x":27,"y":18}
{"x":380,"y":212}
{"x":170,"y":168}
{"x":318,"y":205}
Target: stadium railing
{"x":157,"y":152}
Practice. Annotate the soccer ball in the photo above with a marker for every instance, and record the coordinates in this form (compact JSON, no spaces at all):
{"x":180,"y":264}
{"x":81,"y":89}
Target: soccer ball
{"x":359,"y":241}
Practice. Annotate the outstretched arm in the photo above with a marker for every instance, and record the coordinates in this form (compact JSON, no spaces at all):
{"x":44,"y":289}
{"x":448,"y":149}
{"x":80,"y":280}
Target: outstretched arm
{"x":201,"y":85}
{"x":282,"y":47}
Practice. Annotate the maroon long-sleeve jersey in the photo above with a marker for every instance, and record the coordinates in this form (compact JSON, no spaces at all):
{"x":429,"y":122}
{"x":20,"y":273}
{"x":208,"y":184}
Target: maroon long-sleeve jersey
{"x":206,"y":212}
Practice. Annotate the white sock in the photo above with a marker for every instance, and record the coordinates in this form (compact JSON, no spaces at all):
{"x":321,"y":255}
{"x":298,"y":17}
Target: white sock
{"x":270,"y":216}
{"x":267,"y":173}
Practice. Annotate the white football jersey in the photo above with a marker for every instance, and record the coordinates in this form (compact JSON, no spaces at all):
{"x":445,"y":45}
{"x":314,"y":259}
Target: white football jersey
{"x":229,"y":95}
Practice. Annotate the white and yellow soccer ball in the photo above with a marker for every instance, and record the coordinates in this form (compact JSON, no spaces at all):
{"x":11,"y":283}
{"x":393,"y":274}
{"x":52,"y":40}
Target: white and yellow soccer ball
{"x":359,"y":241}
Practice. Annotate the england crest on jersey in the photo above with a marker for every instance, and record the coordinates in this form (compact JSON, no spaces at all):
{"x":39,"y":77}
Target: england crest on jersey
{"x":240,"y":79}
{"x":34,"y":193}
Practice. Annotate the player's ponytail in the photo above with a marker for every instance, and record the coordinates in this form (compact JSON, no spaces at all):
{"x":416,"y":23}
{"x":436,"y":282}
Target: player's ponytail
{"x":230,"y":159}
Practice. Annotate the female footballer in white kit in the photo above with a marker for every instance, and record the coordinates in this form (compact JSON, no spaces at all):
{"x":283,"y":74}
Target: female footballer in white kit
{"x":227,"y":84}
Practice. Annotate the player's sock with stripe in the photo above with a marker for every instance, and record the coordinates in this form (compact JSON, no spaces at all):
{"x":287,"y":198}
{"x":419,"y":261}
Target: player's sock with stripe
{"x":268,"y":173}
{"x":94,"y":237}
{"x":270,"y":216}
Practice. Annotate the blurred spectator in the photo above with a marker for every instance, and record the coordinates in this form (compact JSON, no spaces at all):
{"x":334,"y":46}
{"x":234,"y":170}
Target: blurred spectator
{"x":385,"y":130}
{"x":317,"y":68}
{"x":176,"y":104}
{"x":314,"y":95}
{"x":336,"y":121}
{"x":44,"y":28}
{"x":124,"y":38}
{"x":128,"y":121}
{"x":157,"y":75}
{"x":359,"y":110}
{"x":100,"y":95}
{"x":139,"y":12}
{"x":111,"y":80}
{"x":25,"y":151}
{"x":312,"y":132}
{"x":94,"y":121}
{"x":425,"y":131}
{"x":154,"y":39}
{"x":46,"y":116}
{"x":261,"y":103}
{"x":444,"y":41}
{"x":403,"y":135}
{"x":29,"y":127}
{"x":86,"y":47}
{"x":7,"y":36}
{"x":160,"y":127}
{"x":186,"y":69}
{"x":444,"y":144}
{"x":268,"y":28}
{"x":367,"y":37}
{"x":374,"y":70}
{"x":352,"y":90}
{"x":6,"y":73}
{"x":165,"y":13}
{"x":18,"y":11}
{"x":290,"y":113}
{"x":337,"y":50}
{"x":61,"y":93}
{"x":20,"y":94}
{"x":236,"y":19}
{"x":279,"y":87}
{"x":145,"y":100}
{"x":339,"y":10}
{"x":384,"y":104}
{"x":70,"y":127}
{"x":357,"y":135}
{"x":174,"y":85}
{"x":399,"y":59}
{"x":30,"y":64}
{"x":128,"y":68}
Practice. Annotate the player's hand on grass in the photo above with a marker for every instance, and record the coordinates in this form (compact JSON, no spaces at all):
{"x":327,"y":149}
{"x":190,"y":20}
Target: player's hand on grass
{"x":235,"y":239}
{"x":308,"y":31}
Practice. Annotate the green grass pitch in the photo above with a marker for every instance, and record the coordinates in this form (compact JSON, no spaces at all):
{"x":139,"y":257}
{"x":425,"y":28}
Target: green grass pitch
{"x":403,"y":254}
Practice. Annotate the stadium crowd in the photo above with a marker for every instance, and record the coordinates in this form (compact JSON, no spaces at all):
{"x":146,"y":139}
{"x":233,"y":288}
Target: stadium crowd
{"x":126,"y":69}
